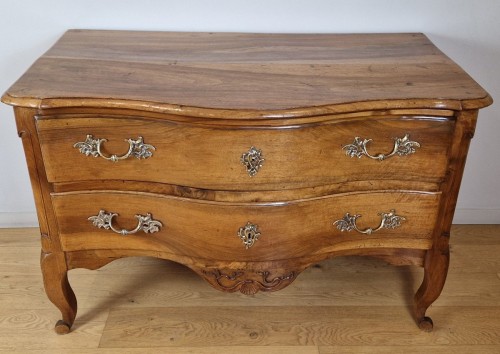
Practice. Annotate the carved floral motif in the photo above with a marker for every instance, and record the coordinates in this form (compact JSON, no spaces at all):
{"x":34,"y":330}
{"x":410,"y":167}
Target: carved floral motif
{"x":246,"y":282}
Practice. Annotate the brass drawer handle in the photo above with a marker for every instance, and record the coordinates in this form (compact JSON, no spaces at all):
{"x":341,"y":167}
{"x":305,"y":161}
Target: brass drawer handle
{"x":92,"y":147}
{"x":252,"y":160}
{"x":389,"y":221}
{"x":402,"y":147}
{"x":249,"y":234}
{"x":144,"y":223}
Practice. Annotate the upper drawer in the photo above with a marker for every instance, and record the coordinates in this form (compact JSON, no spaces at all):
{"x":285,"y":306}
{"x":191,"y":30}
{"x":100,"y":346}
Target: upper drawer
{"x":211,"y":156}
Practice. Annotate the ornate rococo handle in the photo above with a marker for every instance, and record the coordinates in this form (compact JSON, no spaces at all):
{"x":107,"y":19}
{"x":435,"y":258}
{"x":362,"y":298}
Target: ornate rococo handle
{"x":92,"y":147}
{"x":402,"y":147}
{"x":389,"y":221}
{"x":144,"y":223}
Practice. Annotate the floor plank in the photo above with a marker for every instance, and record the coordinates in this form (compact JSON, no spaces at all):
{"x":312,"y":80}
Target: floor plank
{"x":184,"y":350}
{"x":474,"y":258}
{"x":299,"y":326}
{"x":30,"y":329}
{"x":406,"y":349}
{"x":19,"y":237}
{"x":19,"y":261}
{"x":475,"y":234}
{"x":342,"y":305}
{"x":330,"y":284}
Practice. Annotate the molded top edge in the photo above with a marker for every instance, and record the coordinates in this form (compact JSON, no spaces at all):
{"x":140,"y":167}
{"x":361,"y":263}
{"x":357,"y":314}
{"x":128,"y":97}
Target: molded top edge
{"x":245,"y":74}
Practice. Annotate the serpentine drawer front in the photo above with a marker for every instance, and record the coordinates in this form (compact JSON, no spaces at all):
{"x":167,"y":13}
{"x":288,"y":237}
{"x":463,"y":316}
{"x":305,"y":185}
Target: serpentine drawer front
{"x":246,"y":157}
{"x":286,"y":229}
{"x":210,"y":156}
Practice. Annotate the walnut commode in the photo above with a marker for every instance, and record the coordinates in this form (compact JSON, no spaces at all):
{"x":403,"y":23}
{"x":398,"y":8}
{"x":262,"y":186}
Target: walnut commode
{"x":246,"y":157}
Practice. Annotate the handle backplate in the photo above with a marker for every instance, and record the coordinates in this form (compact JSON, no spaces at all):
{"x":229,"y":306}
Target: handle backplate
{"x":145,"y":223}
{"x":389,"y":221}
{"x":92,"y":147}
{"x":402,"y":147}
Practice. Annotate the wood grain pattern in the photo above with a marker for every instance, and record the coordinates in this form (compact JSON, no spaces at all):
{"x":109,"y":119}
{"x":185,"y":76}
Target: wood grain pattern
{"x":284,"y":226}
{"x":203,"y":100}
{"x":245,"y":196}
{"x":438,"y":257}
{"x":211,"y":74}
{"x":340,"y":282}
{"x":197,"y":156}
{"x":26,"y":331}
{"x":317,"y":326}
{"x":140,"y":284}
{"x":57,"y":288}
{"x":407,"y":349}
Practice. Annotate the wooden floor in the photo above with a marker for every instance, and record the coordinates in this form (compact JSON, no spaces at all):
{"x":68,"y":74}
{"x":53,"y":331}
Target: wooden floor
{"x":343,"y":305}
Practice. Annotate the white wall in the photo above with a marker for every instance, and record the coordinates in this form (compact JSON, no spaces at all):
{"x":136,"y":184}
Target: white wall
{"x":468,"y":31}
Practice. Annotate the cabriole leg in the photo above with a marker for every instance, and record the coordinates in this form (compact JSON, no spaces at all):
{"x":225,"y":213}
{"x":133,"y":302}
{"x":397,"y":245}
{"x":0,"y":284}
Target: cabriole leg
{"x":435,"y":271}
{"x":58,"y":290}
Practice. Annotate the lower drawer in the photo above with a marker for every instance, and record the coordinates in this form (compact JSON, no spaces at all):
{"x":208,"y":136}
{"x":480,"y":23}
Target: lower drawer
{"x":224,"y":231}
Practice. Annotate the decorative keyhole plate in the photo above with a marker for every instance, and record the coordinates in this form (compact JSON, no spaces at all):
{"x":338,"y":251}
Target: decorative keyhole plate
{"x":249,"y":234}
{"x":252,"y":160}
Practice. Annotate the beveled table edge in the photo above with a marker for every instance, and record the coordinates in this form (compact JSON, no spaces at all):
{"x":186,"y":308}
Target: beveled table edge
{"x":214,"y":113}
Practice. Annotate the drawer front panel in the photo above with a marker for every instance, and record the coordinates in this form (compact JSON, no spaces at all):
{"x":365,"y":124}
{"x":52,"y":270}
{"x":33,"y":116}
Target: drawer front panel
{"x":211,"y":158}
{"x":211,"y":230}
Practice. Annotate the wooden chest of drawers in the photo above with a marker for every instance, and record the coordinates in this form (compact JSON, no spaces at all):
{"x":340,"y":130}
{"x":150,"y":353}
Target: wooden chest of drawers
{"x":246,"y":157}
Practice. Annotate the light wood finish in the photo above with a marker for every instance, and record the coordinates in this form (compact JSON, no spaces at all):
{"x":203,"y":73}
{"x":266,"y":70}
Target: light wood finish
{"x":215,"y":239}
{"x":246,"y":75}
{"x":209,"y":157}
{"x":118,"y":301}
{"x":202,"y":100}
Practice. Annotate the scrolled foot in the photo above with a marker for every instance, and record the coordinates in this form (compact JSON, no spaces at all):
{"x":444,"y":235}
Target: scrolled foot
{"x":58,"y":289}
{"x":426,"y":324}
{"x":435,"y":270}
{"x":62,"y":327}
